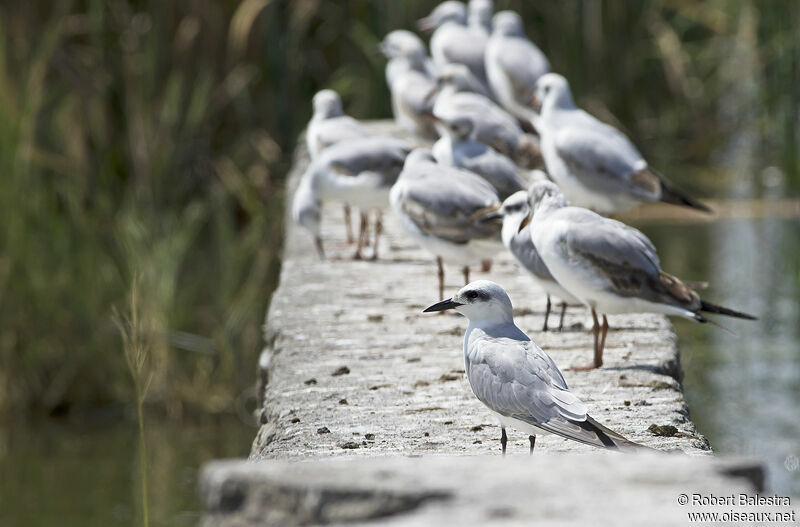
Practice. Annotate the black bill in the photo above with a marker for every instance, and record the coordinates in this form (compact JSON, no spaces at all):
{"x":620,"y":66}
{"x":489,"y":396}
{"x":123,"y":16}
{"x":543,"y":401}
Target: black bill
{"x":441,"y":306}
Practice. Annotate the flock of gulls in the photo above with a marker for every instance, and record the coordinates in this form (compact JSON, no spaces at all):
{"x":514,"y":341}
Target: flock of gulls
{"x":514,"y":165}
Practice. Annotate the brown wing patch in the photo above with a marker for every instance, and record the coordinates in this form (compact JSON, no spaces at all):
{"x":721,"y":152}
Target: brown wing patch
{"x":480,"y":213}
{"x":679,"y":291}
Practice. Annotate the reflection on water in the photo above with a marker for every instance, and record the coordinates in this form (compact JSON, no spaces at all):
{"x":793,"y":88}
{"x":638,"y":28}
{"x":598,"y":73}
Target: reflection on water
{"x":87,"y":476}
{"x":743,"y":389}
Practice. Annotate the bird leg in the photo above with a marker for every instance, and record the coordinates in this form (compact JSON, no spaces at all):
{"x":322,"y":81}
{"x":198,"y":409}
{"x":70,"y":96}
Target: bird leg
{"x":348,"y":226}
{"x":378,"y":231}
{"x":532,"y":439}
{"x":561,"y":318}
{"x":318,"y":245}
{"x":598,"y":357}
{"x":441,"y":277}
{"x":503,"y":439}
{"x":546,"y":314}
{"x":466,"y":274}
{"x":362,"y":234}
{"x":366,"y":229}
{"x":486,"y":265}
{"x":598,"y":353}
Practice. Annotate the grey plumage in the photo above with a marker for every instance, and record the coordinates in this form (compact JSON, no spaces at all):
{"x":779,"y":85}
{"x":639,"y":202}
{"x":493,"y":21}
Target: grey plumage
{"x":329,"y":124}
{"x":513,"y":65}
{"x":595,"y":165}
{"x":411,"y":83}
{"x":609,"y":266}
{"x":459,"y":148}
{"x":514,"y":378}
{"x":453,"y":41}
{"x":381,"y":155}
{"x":446,"y":203}
{"x":493,"y":125}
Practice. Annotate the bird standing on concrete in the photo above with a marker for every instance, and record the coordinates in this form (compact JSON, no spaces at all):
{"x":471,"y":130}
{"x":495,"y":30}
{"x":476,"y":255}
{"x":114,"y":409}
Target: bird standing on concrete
{"x":448,"y":211}
{"x":594,"y":164}
{"x":360,"y":172}
{"x":518,"y":242}
{"x":328,"y":126}
{"x":513,"y":65}
{"x":515,"y":379}
{"x":609,"y":266}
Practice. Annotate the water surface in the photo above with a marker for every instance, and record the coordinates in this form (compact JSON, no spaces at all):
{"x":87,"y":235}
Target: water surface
{"x":743,"y":389}
{"x":87,"y":475}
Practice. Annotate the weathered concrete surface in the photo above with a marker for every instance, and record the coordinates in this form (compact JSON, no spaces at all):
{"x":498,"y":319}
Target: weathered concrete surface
{"x":546,"y":489}
{"x":355,"y":368}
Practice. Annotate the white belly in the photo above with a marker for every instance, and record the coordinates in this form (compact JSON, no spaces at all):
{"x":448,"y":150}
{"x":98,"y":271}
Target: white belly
{"x":521,"y":426}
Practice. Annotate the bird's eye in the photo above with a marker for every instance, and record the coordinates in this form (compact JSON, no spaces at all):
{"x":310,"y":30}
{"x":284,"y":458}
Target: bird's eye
{"x":472,"y":295}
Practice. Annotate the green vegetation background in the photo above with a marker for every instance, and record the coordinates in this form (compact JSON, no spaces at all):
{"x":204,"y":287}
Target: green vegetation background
{"x":151,"y":139}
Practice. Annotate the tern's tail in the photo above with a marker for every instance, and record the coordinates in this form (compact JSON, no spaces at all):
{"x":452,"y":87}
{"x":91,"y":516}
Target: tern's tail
{"x":708,"y":307}
{"x":610,"y":438}
{"x":670,"y":194}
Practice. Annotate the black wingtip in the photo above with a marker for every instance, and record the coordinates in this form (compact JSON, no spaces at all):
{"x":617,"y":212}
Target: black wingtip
{"x":708,"y":307}
{"x":611,"y":439}
{"x":592,"y":426}
{"x":670,"y":194}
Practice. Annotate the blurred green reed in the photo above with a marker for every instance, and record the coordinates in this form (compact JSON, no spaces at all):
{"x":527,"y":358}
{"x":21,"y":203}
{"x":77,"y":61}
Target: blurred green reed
{"x":152,"y":138}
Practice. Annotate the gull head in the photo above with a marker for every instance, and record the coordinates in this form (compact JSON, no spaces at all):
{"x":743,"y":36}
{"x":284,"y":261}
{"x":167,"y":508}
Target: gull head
{"x":508,"y":23}
{"x":402,"y":43}
{"x":479,"y":301}
{"x":450,"y":11}
{"x":327,"y":104}
{"x":515,"y":210}
{"x":480,"y":13}
{"x":542,"y":195}
{"x":552,"y":91}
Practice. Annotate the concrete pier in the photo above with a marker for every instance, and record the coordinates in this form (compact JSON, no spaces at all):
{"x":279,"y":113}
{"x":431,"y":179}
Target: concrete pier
{"x":354,"y":369}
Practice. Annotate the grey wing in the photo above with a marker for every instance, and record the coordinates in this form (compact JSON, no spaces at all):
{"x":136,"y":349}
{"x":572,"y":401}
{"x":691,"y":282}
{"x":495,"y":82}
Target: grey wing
{"x":526,"y":254}
{"x":381,"y":155}
{"x":493,"y":126}
{"x":522,"y":63}
{"x":602,"y":158}
{"x":495,"y":168}
{"x":451,"y":208}
{"x":332,"y":131}
{"x":517,"y":379}
{"x":622,"y":255}
{"x":626,"y":259}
